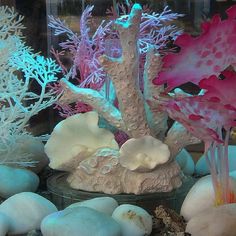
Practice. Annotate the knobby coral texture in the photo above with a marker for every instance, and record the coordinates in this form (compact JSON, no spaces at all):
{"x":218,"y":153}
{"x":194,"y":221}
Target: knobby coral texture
{"x":127,"y":53}
{"x":208,"y":61}
{"x":86,"y":48}
{"x":18,"y":67}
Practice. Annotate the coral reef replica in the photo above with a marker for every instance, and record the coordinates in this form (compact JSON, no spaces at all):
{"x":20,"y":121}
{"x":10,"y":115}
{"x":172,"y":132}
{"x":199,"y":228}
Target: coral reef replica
{"x":117,"y":92}
{"x":115,"y":67}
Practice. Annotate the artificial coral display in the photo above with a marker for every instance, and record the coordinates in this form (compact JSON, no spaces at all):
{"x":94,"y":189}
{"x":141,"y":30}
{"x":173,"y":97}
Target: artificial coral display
{"x":18,"y":67}
{"x":130,"y":65}
{"x":211,"y":114}
{"x":85,"y":52}
{"x":115,"y":67}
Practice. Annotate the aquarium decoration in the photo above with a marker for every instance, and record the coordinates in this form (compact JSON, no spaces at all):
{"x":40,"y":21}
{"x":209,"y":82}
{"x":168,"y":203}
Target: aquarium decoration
{"x":19,"y":66}
{"x":117,"y":92}
{"x":209,"y":114}
{"x":116,"y":81}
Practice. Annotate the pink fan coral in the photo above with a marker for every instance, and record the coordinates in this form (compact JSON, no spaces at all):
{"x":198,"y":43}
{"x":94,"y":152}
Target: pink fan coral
{"x":221,"y":90}
{"x":200,"y":116}
{"x":201,"y":61}
{"x":84,"y":49}
{"x":209,"y":54}
{"x":205,"y":117}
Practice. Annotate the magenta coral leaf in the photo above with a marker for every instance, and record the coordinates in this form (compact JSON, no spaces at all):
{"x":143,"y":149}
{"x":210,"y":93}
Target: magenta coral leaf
{"x":209,"y":54}
{"x":221,"y":90}
{"x":200,"y":117}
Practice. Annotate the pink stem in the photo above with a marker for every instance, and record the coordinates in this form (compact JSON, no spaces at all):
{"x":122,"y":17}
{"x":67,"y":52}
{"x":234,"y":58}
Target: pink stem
{"x":212,"y":167}
{"x":213,"y":157}
{"x":226,"y":166}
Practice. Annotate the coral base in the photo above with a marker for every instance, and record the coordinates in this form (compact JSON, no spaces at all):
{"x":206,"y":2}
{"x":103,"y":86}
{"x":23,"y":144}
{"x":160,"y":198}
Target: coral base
{"x":163,"y":179}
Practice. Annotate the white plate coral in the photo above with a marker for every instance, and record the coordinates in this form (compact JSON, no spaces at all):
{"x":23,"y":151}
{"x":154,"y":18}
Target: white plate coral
{"x":143,"y":154}
{"x":75,"y":139}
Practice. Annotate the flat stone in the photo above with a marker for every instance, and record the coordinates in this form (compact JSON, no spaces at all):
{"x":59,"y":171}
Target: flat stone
{"x":4,"y":225}
{"x":217,"y":221}
{"x":202,"y":197}
{"x":102,"y":204}
{"x":16,"y":180}
{"x":79,"y":221}
{"x":185,"y":161}
{"x":25,"y":211}
{"x":134,"y":220}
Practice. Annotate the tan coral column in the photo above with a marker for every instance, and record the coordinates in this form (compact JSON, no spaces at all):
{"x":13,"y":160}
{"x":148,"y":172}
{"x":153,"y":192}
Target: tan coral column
{"x":124,"y":72}
{"x":157,"y":120}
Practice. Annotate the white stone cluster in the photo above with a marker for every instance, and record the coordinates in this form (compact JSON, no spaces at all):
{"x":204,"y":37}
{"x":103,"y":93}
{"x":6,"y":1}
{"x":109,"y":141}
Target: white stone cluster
{"x":27,"y":211}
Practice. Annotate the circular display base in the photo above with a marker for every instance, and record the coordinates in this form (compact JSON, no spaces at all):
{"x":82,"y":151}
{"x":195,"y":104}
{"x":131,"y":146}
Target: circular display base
{"x":62,"y":195}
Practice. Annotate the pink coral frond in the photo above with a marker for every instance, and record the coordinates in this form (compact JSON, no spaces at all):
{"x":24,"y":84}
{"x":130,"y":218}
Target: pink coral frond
{"x":221,"y":89}
{"x":200,"y":116}
{"x":209,"y":54}
{"x":231,"y":12}
{"x":57,"y":56}
{"x":84,"y":21}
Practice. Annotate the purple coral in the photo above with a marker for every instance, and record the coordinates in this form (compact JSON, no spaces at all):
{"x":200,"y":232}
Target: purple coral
{"x":85,"y":49}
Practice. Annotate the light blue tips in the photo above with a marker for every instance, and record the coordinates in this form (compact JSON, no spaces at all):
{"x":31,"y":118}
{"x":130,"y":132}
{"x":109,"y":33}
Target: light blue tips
{"x":136,"y":7}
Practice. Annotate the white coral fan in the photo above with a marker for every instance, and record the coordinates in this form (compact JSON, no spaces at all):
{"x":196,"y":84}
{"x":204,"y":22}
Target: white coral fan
{"x":75,"y":139}
{"x":143,"y":154}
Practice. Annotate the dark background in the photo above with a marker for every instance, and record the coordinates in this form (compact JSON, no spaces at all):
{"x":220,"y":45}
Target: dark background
{"x":35,"y":13}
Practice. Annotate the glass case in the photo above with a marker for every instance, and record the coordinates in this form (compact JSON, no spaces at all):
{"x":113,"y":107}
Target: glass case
{"x":126,"y":104}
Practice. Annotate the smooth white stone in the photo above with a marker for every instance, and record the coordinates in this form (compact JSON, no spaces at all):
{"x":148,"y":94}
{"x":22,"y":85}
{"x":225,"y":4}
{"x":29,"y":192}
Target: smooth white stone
{"x":25,"y":211}
{"x":185,"y":161}
{"x":35,"y":147}
{"x":133,"y":220}
{"x":4,"y":225}
{"x":79,"y":221}
{"x":16,"y":180}
{"x":202,"y":167}
{"x":102,"y":204}
{"x":202,"y":197}
{"x":217,"y":221}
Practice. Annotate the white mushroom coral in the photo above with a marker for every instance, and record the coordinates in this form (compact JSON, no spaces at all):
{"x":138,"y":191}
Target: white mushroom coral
{"x":143,"y":154}
{"x":75,"y":139}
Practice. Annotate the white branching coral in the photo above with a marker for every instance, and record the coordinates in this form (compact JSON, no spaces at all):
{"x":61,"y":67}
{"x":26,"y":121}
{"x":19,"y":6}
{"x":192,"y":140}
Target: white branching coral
{"x":10,"y":22}
{"x":18,"y":67}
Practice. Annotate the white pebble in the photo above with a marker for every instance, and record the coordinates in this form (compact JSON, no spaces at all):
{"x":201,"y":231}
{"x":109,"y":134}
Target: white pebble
{"x":16,"y":180}
{"x":79,"y":221}
{"x":133,"y":220}
{"x":217,"y":221}
{"x":102,"y":204}
{"x":25,"y":211}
